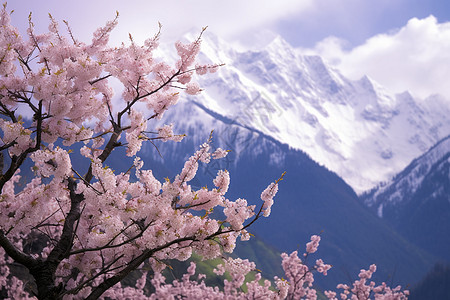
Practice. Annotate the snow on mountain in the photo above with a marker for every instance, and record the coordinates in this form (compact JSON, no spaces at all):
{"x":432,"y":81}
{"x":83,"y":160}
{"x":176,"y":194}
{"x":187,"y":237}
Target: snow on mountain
{"x":354,"y":128}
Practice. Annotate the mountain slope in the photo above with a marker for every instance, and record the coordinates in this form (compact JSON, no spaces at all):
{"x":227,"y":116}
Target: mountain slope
{"x":355,"y":128}
{"x":417,"y":201}
{"x":311,"y":200}
{"x":434,"y":285}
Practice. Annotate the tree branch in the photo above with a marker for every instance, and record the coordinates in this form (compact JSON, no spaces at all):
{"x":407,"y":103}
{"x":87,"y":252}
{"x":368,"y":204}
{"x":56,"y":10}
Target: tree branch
{"x":15,"y":253}
{"x":62,"y":249}
{"x":17,"y":161}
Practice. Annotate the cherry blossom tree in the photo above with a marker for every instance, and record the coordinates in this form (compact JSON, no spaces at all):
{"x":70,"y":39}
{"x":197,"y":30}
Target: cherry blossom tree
{"x":92,"y":228}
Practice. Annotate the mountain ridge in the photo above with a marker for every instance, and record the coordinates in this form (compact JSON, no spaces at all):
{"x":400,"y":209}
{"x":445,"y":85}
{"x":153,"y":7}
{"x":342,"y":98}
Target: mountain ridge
{"x":431,"y":157}
{"x":416,"y":202}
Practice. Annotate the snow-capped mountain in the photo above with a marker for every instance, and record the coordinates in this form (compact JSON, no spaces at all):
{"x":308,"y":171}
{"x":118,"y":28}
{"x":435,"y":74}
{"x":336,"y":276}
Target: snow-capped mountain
{"x":270,"y":107}
{"x":417,"y":200}
{"x":354,"y":128}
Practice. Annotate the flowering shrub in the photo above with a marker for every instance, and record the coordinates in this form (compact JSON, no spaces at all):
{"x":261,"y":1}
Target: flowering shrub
{"x":96,"y":228}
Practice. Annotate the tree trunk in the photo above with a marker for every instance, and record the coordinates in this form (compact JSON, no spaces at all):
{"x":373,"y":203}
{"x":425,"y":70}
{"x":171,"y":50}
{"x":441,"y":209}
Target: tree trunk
{"x":44,"y":275}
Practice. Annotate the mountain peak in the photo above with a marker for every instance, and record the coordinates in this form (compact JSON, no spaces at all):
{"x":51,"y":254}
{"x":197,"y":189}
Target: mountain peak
{"x":278,"y":42}
{"x":367,"y":83}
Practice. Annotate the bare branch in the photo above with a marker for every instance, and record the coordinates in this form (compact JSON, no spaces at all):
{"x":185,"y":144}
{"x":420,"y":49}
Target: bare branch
{"x":92,"y":82}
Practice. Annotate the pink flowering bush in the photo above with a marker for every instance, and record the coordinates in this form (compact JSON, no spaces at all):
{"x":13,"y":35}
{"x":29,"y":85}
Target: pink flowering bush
{"x":95,"y":227}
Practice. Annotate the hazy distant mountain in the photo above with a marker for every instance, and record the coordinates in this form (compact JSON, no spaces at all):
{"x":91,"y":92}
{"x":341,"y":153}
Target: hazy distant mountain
{"x":355,"y":128}
{"x":417,"y":201}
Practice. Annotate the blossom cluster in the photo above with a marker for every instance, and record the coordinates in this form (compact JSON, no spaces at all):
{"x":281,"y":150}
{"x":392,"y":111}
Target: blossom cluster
{"x":165,"y":133}
{"x":267,"y":196}
{"x":312,"y":246}
{"x":117,"y":210}
{"x":16,"y":135}
{"x":298,"y":283}
{"x":63,"y":88}
{"x":365,"y":289}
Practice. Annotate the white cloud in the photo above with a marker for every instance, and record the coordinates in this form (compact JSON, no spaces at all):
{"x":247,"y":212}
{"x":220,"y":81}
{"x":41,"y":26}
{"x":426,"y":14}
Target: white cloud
{"x":227,"y":19}
{"x":415,"y":57}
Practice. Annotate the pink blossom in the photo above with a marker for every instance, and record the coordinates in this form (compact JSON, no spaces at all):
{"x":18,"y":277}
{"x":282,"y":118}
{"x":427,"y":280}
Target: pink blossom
{"x":267,"y":196}
{"x":219,"y":153}
{"x":15,"y":133}
{"x":312,"y":246}
{"x":193,"y":88}
{"x":238,"y":212}
{"x":222,"y":181}
{"x":165,"y":133}
{"x":201,"y":69}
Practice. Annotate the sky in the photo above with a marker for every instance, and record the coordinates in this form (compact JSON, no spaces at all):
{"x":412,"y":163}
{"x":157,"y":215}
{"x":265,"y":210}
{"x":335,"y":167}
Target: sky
{"x":402,"y":44}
